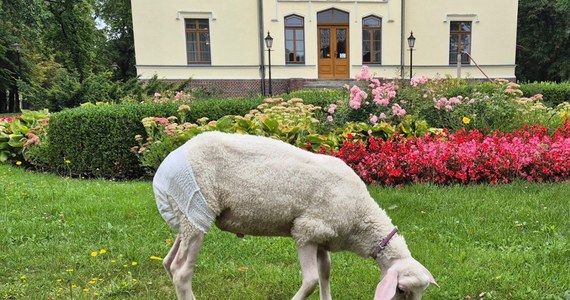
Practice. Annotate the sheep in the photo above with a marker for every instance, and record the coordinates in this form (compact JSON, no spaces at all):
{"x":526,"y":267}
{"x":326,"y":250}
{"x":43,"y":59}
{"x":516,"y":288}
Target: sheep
{"x":251,"y":185}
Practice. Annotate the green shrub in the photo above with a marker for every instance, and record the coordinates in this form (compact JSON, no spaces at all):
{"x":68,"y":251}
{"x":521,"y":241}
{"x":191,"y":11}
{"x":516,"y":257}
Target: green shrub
{"x":320,"y":98}
{"x":96,"y":140}
{"x":553,"y":93}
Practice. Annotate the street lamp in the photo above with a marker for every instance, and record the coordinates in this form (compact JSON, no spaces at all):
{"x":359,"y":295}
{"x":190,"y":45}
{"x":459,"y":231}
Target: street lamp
{"x":18,"y":48}
{"x":269,"y":44}
{"x":411,"y":44}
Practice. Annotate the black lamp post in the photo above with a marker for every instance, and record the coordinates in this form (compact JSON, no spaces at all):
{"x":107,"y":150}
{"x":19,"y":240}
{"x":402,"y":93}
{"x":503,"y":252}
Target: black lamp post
{"x":14,"y":108}
{"x":268,"y":44}
{"x":411,"y":44}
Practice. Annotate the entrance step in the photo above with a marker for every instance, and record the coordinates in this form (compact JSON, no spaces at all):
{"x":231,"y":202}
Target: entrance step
{"x":316,"y":84}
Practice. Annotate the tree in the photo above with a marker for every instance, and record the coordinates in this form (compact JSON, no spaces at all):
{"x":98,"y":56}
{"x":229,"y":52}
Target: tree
{"x":117,"y":18}
{"x":543,"y":40}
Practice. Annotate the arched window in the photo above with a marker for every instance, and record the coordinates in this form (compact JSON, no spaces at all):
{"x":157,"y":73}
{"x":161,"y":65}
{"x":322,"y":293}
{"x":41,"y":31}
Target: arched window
{"x":371,"y":40}
{"x":294,"y":39}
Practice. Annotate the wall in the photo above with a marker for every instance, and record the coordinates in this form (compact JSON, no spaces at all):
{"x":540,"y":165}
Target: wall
{"x":160,"y":43}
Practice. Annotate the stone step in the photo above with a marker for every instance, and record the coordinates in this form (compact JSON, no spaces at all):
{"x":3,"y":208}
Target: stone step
{"x":328,"y":83}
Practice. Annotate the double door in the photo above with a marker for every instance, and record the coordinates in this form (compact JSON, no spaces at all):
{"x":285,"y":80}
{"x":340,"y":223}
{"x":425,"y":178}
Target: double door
{"x":333,"y":51}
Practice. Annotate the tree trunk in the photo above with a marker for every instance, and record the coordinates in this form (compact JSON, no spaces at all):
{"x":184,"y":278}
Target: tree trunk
{"x":3,"y":101}
{"x":13,"y":103}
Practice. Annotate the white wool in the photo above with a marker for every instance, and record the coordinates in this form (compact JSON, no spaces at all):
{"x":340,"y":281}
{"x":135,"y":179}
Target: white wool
{"x":175,"y":182}
{"x":254,"y":185}
{"x":261,"y":186}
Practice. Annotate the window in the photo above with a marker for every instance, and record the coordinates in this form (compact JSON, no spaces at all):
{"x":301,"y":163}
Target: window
{"x":198,"y":41}
{"x":459,"y":41}
{"x":294,"y":40}
{"x":372,"y":40}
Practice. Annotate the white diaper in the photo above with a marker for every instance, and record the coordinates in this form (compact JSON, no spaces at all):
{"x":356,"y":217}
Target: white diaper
{"x":175,"y":181}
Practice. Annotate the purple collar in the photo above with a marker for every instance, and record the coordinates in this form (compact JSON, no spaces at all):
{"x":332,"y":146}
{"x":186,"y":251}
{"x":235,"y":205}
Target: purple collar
{"x":384,"y":243}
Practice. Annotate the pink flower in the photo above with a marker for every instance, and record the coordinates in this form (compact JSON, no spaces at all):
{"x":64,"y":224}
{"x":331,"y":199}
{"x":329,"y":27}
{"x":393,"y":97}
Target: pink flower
{"x":364,"y":74}
{"x":374,"y":120}
{"x":356,"y":96}
{"x":382,"y":116}
{"x":398,"y":111}
{"x":178,"y":95}
{"x":157,"y":95}
{"x":163,"y":121}
{"x":332,"y":108}
{"x":330,"y":119}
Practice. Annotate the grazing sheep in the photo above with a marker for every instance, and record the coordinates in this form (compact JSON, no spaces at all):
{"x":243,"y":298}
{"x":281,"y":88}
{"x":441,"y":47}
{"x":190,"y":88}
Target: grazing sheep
{"x":260,"y":186}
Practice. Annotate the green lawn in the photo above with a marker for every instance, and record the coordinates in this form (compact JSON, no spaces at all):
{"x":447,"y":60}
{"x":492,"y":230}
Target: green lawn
{"x":498,"y":242}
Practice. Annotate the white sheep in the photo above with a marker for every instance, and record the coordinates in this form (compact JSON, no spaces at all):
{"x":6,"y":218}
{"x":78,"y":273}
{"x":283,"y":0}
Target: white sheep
{"x":251,"y":185}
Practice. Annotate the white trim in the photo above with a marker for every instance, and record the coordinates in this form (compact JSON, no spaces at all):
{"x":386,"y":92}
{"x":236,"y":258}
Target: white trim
{"x":187,"y":14}
{"x":461,"y":17}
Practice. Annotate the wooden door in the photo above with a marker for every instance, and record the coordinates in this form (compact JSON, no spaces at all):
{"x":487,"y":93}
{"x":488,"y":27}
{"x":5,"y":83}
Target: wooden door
{"x":333,"y":52}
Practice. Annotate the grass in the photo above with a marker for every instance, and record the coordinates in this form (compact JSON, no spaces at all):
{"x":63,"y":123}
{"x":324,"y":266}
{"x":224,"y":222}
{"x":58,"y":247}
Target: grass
{"x":491,"y":242}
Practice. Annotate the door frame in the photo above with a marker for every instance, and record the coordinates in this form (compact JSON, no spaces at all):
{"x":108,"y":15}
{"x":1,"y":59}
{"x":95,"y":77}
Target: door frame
{"x":340,"y":67}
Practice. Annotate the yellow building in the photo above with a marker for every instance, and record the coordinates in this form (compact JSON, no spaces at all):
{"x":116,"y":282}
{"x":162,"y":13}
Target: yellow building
{"x":221,"y":43}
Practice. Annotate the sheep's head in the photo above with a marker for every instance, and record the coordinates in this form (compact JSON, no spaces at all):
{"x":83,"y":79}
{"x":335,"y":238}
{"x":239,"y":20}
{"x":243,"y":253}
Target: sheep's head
{"x":406,"y":279}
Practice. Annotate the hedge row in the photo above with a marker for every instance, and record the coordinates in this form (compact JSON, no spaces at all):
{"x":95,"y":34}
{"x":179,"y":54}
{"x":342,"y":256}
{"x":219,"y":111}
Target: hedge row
{"x":554,"y":93}
{"x":95,"y":141}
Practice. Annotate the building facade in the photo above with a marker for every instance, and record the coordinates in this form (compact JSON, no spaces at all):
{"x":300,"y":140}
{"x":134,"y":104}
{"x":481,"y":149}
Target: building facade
{"x":221,"y":43}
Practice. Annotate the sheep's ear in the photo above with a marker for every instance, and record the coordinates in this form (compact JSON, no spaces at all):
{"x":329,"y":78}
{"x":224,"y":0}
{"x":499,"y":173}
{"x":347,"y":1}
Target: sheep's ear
{"x":386,"y":289}
{"x":431,"y":279}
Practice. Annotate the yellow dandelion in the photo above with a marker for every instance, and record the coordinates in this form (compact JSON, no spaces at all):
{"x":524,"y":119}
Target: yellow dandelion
{"x":113,"y":261}
{"x":168,"y":242}
{"x":94,"y":253}
{"x":67,"y":161}
{"x":73,"y":286}
{"x":562,"y":114}
{"x":156,"y":258}
{"x":466,"y":120}
{"x":102,"y":251}
{"x":134,"y":263}
{"x":86,"y":290}
{"x":92,"y":282}
{"x":23,"y":278}
{"x":69,"y":270}
{"x":18,"y":163}
{"x":125,"y":265}
{"x":96,"y":294}
{"x":58,"y":280}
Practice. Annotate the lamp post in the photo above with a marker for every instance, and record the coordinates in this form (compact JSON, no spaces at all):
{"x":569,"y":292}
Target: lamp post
{"x":269,"y":44}
{"x":13,"y":108}
{"x":411,"y":44}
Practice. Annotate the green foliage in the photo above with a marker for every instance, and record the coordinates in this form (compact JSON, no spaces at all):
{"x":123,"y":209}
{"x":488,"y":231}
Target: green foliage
{"x":554,"y":93}
{"x":96,"y":140}
{"x":320,"y":98}
{"x":15,"y":135}
{"x":543,"y":41}
{"x":505,"y":228}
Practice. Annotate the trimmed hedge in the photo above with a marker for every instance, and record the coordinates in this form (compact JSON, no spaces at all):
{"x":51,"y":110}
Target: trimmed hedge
{"x":96,"y":140}
{"x":554,"y":93}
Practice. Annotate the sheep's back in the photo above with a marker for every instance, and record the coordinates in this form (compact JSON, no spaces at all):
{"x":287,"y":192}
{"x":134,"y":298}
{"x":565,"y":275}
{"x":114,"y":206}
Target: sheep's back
{"x":260,"y":186}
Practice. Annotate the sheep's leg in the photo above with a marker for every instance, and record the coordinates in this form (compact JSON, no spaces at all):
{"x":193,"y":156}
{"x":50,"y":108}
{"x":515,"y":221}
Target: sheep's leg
{"x":309,"y":269}
{"x":182,"y":266}
{"x":324,"y":263}
{"x":167,"y":262}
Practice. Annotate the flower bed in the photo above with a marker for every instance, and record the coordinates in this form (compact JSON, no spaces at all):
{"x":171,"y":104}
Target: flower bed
{"x":463,"y":157}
